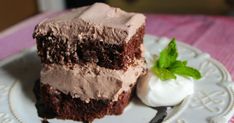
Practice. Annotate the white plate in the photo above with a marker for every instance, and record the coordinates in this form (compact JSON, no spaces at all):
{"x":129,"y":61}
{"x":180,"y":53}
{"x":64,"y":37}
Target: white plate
{"x":213,"y":100}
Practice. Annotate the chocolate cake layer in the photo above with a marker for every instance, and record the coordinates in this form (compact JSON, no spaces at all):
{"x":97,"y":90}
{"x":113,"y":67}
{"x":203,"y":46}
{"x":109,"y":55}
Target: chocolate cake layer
{"x":54,"y":49}
{"x":52,"y":103}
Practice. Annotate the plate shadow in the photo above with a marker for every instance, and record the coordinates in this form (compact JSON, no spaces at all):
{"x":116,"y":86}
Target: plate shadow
{"x":26,"y":70}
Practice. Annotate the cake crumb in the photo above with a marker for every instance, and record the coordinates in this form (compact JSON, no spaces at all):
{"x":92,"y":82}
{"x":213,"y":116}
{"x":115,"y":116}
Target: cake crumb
{"x":44,"y":120}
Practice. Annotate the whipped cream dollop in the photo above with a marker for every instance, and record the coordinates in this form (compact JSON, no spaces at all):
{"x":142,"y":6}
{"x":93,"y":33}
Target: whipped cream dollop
{"x":154,"y":92}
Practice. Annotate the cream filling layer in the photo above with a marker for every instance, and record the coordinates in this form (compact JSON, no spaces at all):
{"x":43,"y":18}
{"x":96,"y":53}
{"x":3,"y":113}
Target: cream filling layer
{"x":91,"y":81}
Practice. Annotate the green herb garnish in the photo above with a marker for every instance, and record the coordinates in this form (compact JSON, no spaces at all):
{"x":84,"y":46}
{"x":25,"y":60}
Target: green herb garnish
{"x":167,"y":65}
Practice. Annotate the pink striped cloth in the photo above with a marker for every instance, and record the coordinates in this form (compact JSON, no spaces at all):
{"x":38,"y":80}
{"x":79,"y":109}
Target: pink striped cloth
{"x":214,"y":35}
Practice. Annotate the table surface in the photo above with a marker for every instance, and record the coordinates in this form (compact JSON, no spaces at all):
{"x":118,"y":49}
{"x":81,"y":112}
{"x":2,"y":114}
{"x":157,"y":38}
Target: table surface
{"x":211,"y":34}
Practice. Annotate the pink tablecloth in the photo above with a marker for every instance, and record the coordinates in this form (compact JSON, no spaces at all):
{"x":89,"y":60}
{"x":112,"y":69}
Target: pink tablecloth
{"x":214,"y":35}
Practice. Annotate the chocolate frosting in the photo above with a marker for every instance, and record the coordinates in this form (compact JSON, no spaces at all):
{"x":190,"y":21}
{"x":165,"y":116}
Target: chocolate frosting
{"x":96,"y":22}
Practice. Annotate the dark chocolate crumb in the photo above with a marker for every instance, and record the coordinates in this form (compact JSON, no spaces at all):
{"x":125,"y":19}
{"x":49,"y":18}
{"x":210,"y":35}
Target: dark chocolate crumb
{"x":87,"y":122}
{"x":44,"y":121}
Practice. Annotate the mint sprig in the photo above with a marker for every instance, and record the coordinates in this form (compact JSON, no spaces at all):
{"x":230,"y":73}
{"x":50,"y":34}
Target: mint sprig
{"x":167,"y":66}
{"x":168,"y":55}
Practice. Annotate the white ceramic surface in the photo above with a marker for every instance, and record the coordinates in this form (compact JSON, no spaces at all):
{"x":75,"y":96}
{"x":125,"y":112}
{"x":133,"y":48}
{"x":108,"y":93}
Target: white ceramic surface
{"x":213,"y":101}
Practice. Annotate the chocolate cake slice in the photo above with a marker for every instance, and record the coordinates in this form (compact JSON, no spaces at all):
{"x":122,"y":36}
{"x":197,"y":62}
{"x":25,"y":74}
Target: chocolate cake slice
{"x":91,"y":60}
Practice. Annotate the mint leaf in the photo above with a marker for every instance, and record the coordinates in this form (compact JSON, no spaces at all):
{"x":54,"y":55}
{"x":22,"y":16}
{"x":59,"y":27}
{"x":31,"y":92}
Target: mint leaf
{"x":167,"y":66}
{"x":168,"y":55}
{"x":186,"y":71}
{"x":163,"y":74}
{"x":177,"y":64}
{"x":185,"y":62}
